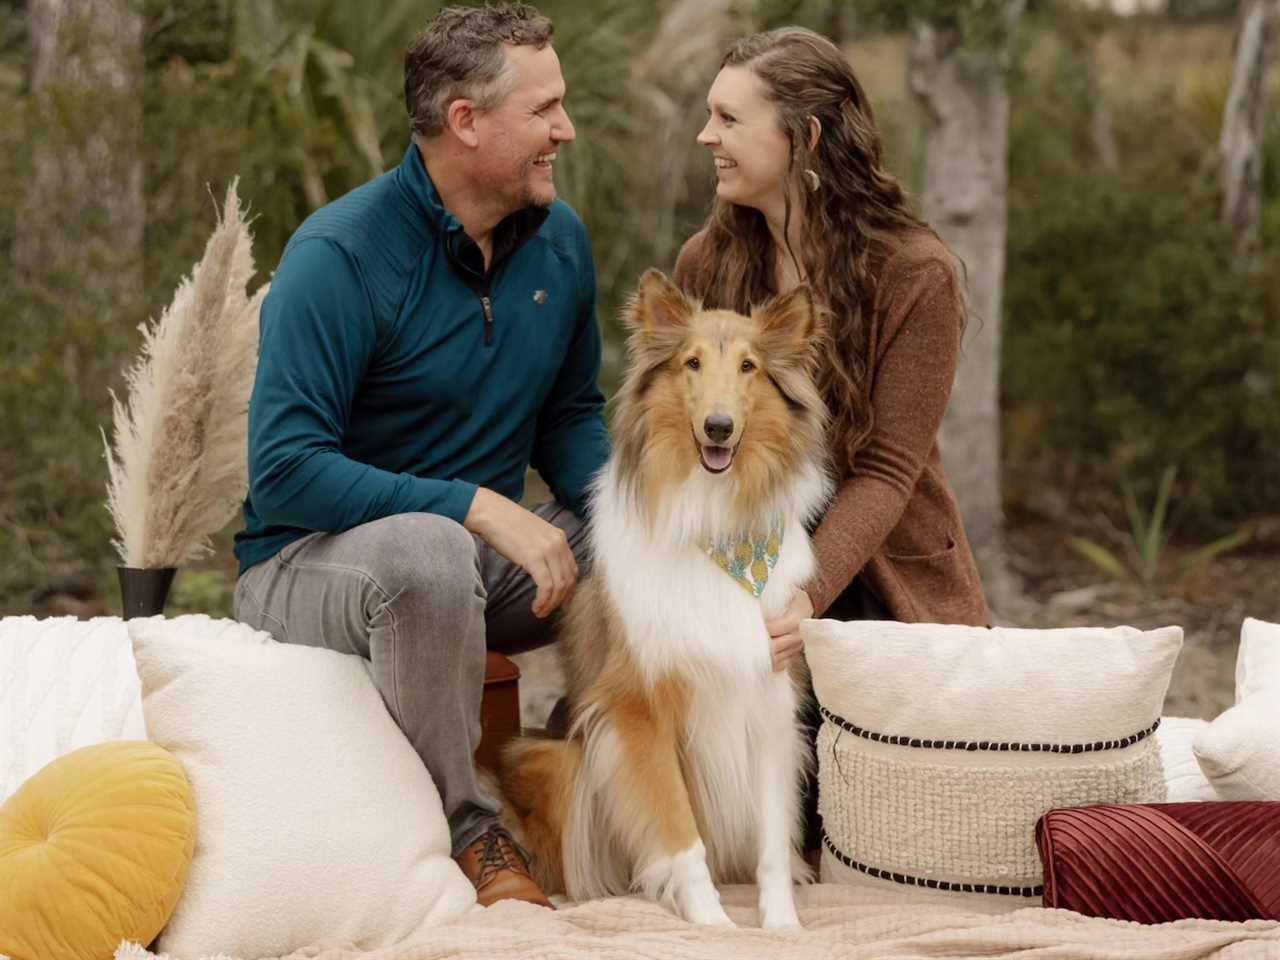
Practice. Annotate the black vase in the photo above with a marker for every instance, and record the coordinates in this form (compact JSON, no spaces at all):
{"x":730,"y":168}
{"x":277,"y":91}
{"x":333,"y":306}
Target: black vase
{"x":144,"y":590}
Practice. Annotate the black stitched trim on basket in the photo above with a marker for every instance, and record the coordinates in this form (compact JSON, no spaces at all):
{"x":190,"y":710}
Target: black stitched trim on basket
{"x":902,"y":740}
{"x":1005,"y":891}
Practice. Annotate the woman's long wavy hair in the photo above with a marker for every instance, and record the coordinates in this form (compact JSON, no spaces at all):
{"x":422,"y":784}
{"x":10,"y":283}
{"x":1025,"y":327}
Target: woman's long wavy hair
{"x":849,"y":221}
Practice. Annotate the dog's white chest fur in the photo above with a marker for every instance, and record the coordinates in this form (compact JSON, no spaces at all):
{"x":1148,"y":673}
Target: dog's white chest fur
{"x":683,"y":613}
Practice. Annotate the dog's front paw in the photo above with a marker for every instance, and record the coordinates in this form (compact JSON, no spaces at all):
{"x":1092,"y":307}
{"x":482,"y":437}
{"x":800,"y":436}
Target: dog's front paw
{"x":781,"y":923}
{"x":703,"y":907}
{"x":715,"y":917}
{"x":779,"y":913}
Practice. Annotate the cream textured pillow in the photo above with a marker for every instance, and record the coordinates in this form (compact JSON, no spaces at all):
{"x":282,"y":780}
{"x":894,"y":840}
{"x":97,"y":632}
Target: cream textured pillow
{"x":1183,"y":778}
{"x":1258,"y":659}
{"x":64,"y":684}
{"x":315,"y":819}
{"x":1240,"y":750}
{"x":942,"y":745}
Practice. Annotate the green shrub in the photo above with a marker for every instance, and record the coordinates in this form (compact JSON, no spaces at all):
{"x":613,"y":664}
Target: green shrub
{"x":201,"y":590}
{"x":1132,"y":339}
{"x":63,"y":336}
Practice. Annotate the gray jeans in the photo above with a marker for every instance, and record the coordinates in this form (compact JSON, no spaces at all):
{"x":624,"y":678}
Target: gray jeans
{"x":421,"y":599}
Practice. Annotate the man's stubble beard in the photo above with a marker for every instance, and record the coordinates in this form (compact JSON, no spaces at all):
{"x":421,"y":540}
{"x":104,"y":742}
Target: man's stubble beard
{"x":520,"y":194}
{"x":530,"y":197}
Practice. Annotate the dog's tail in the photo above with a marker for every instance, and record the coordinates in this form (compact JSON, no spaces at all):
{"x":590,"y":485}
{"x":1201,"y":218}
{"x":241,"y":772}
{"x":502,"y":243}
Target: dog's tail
{"x":537,"y":777}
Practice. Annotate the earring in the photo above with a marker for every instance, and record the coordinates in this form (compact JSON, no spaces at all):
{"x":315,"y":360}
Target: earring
{"x":813,"y":181}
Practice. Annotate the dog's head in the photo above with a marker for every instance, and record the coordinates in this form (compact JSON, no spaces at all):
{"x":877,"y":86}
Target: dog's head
{"x":714,"y":391}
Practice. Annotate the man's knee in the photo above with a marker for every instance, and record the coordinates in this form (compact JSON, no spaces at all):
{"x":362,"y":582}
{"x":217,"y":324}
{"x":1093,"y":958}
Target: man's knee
{"x":424,"y":553}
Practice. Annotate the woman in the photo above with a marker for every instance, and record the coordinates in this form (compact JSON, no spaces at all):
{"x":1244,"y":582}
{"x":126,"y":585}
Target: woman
{"x":802,"y":196}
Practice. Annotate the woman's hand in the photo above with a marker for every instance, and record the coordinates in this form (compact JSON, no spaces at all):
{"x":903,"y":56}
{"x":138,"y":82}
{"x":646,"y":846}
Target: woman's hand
{"x":785,"y":630}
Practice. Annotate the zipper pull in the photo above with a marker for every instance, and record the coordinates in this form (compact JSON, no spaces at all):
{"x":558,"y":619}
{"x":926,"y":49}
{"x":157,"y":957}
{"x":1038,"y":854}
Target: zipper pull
{"x":488,"y":320}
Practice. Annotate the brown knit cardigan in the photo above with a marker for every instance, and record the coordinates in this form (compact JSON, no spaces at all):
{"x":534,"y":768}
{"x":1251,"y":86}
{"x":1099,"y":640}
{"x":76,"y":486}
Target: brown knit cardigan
{"x":894,"y":519}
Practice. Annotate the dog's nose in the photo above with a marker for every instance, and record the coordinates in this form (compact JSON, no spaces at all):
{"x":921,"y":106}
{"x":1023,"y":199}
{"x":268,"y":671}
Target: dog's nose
{"x":719,"y":427}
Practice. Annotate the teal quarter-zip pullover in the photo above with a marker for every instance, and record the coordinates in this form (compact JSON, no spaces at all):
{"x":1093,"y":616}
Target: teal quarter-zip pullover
{"x":396,"y":375}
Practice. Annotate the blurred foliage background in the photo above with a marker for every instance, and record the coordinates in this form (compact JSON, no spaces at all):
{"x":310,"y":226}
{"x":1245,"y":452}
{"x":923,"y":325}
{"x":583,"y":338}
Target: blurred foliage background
{"x":1130,"y":342}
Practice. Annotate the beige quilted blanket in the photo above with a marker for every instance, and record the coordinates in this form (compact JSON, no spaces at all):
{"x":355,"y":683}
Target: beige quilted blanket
{"x":839,"y":922}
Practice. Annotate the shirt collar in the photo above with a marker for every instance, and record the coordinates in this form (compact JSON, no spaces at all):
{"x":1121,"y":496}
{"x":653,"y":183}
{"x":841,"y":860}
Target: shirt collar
{"x":420,"y":192}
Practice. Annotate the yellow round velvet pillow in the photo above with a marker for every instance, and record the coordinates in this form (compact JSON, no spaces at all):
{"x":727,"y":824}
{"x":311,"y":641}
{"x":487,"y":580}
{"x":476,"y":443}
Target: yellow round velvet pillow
{"x":94,"y":849}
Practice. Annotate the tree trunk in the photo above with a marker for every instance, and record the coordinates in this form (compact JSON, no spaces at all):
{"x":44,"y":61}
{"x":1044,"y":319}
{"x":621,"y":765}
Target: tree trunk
{"x":85,"y":205}
{"x":1244,"y":120}
{"x":963,"y":91}
{"x":671,"y":79}
{"x":1101,"y":122}
{"x":1104,"y":137}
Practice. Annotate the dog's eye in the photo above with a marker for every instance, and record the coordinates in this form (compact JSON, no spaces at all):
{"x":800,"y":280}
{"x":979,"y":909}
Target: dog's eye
{"x":747,"y":366}
{"x":693,"y":363}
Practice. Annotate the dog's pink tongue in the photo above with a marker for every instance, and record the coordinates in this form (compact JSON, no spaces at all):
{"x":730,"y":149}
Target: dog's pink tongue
{"x":717,"y":458}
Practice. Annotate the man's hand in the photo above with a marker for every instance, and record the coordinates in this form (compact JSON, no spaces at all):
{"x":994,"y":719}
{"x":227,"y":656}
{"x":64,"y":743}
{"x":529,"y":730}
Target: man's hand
{"x":541,"y":549}
{"x":785,"y":630}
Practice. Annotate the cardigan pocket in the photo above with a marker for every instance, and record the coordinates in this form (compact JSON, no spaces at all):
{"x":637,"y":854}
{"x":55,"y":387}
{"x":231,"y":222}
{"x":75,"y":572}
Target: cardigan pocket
{"x":938,"y":583}
{"x":950,"y":548}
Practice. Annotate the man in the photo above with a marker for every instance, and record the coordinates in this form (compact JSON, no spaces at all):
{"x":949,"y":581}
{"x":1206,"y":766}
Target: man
{"x":426,"y":338}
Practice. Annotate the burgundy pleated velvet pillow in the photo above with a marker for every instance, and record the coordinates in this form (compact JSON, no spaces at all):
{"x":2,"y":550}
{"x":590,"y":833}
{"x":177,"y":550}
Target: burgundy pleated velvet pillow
{"x":1160,"y":862}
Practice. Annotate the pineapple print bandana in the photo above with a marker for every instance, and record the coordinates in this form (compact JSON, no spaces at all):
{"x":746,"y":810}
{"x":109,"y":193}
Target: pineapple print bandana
{"x":748,"y":556}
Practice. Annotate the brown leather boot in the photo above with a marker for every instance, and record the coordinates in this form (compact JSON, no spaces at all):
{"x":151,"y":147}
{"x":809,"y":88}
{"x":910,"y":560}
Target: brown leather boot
{"x":499,"y":870}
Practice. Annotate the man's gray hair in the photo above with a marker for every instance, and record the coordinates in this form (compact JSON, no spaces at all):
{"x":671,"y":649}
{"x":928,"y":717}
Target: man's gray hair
{"x":460,"y":56}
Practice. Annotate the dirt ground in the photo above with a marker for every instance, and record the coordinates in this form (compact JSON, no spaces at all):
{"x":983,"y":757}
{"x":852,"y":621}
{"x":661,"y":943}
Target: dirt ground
{"x":1060,"y":589}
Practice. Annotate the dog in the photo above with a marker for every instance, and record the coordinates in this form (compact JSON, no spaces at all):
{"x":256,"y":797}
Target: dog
{"x":683,"y":760}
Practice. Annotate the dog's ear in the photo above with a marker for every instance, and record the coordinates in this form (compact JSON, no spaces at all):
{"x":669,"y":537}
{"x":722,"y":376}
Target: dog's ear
{"x":793,"y":333}
{"x":795,"y":324}
{"x":796,"y":314}
{"x":657,"y":304}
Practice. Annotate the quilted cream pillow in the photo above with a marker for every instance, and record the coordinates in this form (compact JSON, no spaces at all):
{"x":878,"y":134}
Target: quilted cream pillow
{"x":1258,"y":658}
{"x":64,"y":684}
{"x":94,"y":849}
{"x":1183,"y":778}
{"x":942,"y":745}
{"x":317,"y":820}
{"x":1240,"y":750}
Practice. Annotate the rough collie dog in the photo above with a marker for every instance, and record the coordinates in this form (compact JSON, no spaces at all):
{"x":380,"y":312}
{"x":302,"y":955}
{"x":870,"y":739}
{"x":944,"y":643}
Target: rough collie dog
{"x":683,"y":761}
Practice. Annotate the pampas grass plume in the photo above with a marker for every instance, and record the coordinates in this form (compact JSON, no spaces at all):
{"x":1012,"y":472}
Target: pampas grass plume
{"x":180,"y":465}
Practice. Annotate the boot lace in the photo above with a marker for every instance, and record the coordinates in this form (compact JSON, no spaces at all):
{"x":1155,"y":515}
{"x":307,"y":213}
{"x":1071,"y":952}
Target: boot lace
{"x":500,"y":852}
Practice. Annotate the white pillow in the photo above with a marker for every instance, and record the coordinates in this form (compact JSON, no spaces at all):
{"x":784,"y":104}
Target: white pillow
{"x":316,"y":820}
{"x":1240,"y":750}
{"x":64,"y":684}
{"x":1258,"y":659}
{"x":1183,"y":778}
{"x":942,"y":746}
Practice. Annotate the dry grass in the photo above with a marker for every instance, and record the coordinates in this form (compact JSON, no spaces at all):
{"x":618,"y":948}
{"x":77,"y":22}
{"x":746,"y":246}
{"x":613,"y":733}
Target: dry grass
{"x":179,"y":468}
{"x":1187,"y":63}
{"x":1186,"y":71}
